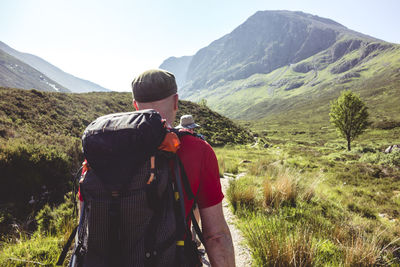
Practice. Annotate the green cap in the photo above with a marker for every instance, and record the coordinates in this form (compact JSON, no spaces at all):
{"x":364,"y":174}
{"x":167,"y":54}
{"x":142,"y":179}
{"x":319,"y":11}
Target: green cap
{"x":153,"y":85}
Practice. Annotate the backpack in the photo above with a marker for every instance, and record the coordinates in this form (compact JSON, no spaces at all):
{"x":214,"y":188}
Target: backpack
{"x":133,"y":211}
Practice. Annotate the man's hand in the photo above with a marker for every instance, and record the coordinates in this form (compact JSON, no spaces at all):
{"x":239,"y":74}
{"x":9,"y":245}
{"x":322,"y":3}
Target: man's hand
{"x":217,"y":236}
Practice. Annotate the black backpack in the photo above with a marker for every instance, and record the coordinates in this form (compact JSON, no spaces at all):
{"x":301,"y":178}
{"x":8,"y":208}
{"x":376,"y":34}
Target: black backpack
{"x":133,"y":211}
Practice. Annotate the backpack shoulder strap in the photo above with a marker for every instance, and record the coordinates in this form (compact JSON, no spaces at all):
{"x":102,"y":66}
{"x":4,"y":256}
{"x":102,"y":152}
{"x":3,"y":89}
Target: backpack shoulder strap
{"x":180,"y":134}
{"x":189,"y":193}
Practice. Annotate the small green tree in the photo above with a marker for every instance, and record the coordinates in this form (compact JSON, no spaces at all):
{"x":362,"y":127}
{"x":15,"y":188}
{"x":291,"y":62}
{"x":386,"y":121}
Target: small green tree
{"x":349,"y":115}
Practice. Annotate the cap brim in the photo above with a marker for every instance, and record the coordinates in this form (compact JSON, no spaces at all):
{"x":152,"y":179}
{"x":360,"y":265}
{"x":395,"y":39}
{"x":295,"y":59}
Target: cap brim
{"x":189,"y":126}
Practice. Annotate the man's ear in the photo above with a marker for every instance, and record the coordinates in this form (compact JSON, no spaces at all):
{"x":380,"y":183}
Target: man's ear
{"x":176,"y":98}
{"x":135,"y":104}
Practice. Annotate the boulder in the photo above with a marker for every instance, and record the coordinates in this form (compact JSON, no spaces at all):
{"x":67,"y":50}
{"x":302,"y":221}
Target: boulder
{"x":392,"y":148}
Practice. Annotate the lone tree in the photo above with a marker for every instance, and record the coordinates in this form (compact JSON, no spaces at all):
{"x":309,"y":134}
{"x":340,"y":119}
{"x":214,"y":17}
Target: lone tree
{"x":349,"y":115}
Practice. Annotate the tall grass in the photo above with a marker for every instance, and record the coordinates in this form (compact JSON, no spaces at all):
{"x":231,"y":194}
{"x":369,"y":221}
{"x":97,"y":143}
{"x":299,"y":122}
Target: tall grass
{"x":283,"y":191}
{"x":43,"y":246}
{"x":293,"y":217}
{"x":241,"y":196}
{"x":275,"y":243}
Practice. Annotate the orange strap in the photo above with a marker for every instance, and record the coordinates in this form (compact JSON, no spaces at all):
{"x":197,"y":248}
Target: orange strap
{"x":152,"y":168}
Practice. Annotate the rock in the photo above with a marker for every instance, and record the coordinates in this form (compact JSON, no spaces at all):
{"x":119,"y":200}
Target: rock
{"x":392,"y":148}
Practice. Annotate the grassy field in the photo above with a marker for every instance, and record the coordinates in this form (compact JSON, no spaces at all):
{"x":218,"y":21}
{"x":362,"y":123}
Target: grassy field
{"x":306,"y":201}
{"x":303,"y":201}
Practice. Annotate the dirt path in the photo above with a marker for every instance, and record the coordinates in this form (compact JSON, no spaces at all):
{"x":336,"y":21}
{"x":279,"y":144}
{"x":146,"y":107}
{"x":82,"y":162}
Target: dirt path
{"x":242,"y":253}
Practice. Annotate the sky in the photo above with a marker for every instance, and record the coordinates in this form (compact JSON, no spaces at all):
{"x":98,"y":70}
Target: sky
{"x":110,"y":42}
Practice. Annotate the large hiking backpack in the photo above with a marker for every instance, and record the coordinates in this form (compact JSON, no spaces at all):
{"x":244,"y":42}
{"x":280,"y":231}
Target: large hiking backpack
{"x":133,"y":211}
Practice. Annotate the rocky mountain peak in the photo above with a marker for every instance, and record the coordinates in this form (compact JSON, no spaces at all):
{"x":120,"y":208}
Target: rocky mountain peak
{"x":265,"y":42}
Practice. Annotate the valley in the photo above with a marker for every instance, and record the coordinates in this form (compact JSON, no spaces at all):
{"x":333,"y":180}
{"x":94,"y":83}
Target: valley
{"x":262,"y":96}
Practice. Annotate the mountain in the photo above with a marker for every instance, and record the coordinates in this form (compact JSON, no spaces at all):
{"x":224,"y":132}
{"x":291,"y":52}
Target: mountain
{"x":15,"y":73}
{"x":179,"y":67}
{"x":74,"y":84}
{"x":281,"y":62}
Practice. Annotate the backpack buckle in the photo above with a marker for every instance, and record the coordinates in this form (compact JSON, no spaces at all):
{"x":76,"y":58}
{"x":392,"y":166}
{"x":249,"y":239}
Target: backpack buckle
{"x":115,"y":193}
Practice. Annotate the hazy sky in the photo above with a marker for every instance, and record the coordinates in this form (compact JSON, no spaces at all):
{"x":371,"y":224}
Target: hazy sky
{"x":109,"y":42}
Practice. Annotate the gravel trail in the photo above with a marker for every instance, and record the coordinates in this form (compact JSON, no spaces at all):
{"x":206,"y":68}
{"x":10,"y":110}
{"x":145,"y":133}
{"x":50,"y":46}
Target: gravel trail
{"x":242,"y":253}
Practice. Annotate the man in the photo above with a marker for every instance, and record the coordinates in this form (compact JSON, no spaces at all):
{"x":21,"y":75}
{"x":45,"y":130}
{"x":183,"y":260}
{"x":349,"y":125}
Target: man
{"x":156,"y":89}
{"x":187,"y":124}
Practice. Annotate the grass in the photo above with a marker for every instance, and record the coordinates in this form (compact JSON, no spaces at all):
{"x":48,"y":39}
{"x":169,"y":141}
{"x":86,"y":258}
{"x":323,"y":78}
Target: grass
{"x":306,"y":201}
{"x":43,"y":246}
{"x":32,"y":251}
{"x":303,"y":201}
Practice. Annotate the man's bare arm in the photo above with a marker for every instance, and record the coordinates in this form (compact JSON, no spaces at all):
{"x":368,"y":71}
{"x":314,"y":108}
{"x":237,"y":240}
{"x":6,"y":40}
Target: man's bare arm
{"x":218,"y":240}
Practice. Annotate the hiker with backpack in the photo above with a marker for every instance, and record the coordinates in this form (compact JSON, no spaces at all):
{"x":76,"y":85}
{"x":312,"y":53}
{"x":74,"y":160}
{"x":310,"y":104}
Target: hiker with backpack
{"x":187,"y":124}
{"x":156,"y":89}
{"x":140,"y":183}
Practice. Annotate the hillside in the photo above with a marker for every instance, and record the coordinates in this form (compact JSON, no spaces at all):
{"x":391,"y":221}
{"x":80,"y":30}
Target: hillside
{"x":40,"y":145}
{"x":74,"y":84}
{"x":280,"y":62}
{"x":15,"y":73}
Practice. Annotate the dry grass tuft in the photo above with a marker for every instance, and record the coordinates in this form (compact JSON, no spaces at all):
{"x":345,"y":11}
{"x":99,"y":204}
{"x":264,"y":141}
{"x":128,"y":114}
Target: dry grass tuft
{"x":283,"y":191}
{"x":275,"y":245}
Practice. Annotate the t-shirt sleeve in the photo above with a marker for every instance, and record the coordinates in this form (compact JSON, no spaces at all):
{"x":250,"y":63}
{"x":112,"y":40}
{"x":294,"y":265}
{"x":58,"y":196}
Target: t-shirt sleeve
{"x":210,"y":192}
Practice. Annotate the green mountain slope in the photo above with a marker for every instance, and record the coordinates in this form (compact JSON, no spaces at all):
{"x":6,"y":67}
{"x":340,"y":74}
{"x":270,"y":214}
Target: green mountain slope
{"x":15,"y":73}
{"x":69,"y":114}
{"x":281,"y":63}
{"x":301,"y":92}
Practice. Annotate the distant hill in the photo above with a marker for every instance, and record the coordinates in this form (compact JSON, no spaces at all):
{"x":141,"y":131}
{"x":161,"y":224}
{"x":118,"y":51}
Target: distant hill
{"x":283,"y":62}
{"x":69,"y":114}
{"x":74,"y":84}
{"x":15,"y":73}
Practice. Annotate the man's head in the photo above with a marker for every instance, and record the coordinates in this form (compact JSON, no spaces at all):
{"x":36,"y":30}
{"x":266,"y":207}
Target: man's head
{"x":156,"y":89}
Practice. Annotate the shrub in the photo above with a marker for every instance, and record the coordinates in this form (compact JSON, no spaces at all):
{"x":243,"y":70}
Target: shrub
{"x":45,"y":220}
{"x":34,"y":170}
{"x":327,"y":253}
{"x":57,"y":220}
{"x":391,"y":159}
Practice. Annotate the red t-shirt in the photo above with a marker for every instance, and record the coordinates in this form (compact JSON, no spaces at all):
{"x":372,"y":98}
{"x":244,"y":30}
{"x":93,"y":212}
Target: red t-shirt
{"x":201,"y":167}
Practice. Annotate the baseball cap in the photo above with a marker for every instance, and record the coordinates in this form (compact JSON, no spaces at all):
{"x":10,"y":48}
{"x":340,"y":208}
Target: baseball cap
{"x":153,"y":85}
